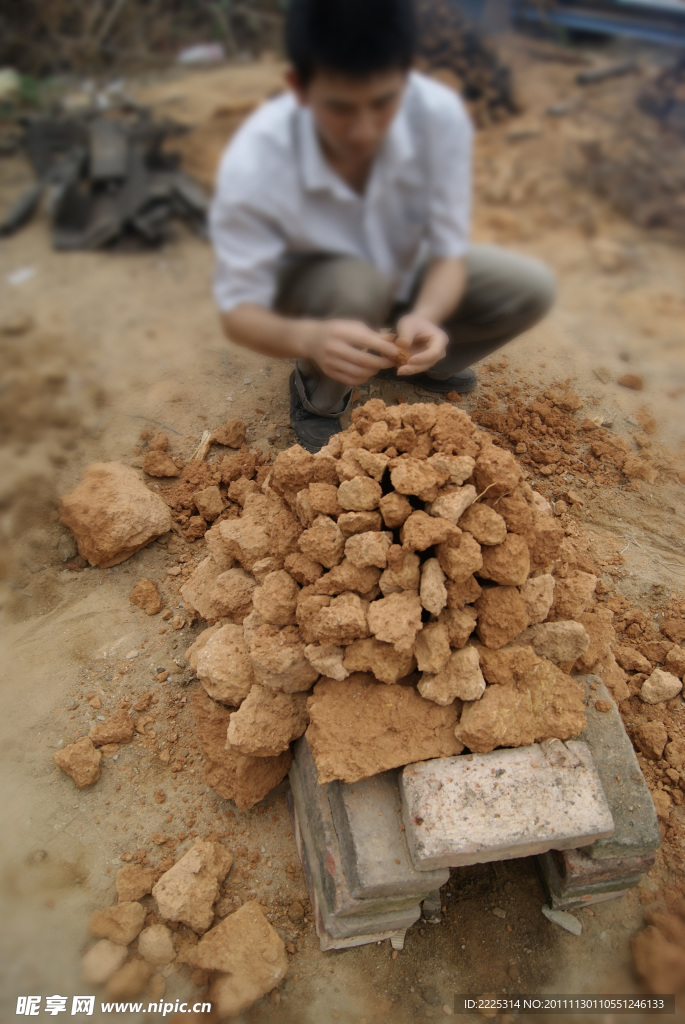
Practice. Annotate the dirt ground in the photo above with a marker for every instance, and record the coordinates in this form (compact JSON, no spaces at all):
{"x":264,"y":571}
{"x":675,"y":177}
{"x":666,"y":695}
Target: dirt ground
{"x":104,"y":345}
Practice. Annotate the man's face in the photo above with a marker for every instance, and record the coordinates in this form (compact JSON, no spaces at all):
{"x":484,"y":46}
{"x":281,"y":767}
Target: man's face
{"x":352,"y":115}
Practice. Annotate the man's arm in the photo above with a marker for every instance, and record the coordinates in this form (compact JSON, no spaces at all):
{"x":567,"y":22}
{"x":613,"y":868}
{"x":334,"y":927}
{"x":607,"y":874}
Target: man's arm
{"x":440,"y":294}
{"x":346,"y":350}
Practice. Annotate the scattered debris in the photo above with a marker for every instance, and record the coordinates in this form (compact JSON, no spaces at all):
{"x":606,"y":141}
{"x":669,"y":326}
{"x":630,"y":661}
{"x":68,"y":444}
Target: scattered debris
{"x":81,"y":761}
{"x":146,"y":595}
{"x":565,"y":920}
{"x":188,"y":891}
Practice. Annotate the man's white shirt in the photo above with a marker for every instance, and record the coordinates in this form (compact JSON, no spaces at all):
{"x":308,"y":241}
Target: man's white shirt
{"x":276,"y":196}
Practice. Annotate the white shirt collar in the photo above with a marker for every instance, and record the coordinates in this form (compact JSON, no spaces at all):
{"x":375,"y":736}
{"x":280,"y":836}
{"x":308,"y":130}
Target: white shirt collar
{"x":395,"y":154}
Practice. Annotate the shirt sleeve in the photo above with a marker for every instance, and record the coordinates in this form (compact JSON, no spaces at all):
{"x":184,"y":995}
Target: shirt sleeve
{"x":449,"y":212}
{"x":248,"y":248}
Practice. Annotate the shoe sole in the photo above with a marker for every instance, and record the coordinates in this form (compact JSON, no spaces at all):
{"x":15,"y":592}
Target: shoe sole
{"x":438,"y":387}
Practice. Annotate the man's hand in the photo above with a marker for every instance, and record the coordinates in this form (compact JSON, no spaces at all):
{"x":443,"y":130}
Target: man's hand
{"x":427,"y":343}
{"x":346,"y":350}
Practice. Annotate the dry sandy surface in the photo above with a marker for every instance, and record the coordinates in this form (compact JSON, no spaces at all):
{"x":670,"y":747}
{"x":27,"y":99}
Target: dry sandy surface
{"x":121,"y":342}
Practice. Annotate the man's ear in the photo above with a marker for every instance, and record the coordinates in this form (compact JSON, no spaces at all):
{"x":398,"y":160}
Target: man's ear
{"x":295,"y":83}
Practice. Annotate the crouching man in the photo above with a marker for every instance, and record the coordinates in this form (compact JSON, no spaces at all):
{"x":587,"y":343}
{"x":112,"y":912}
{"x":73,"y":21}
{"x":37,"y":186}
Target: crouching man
{"x":342,"y":207}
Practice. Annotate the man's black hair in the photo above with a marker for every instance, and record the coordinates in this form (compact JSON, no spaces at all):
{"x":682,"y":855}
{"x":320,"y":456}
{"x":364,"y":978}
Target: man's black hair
{"x":352,"y":37}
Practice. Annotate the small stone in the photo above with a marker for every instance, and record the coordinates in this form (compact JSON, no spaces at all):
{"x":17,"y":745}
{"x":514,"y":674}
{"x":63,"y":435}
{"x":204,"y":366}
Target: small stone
{"x":432,"y":589}
{"x":461,"y":678}
{"x":415,"y":477}
{"x":650,"y":738}
{"x":368,"y":549}
{"x":460,"y":623}
{"x":209,"y":502}
{"x":188,"y":890}
{"x":675,"y":754}
{"x":323,"y":541}
{"x":118,"y":728}
{"x":538,"y":595}
{"x":403,"y":572}
{"x":220,"y":659}
{"x":631,"y":380}
{"x":483,"y":523}
{"x":432,"y":647}
{"x":339,"y":620}
{"x":129,"y":981}
{"x":81,"y":761}
{"x":362,"y":494}
{"x":101,"y":961}
{"x":120,"y":923}
{"x":631,"y":660}
{"x":559,"y":641}
{"x":386,"y":664}
{"x":146,"y":595}
{"x":459,"y":558}
{"x":156,"y":946}
{"x":675,"y":662}
{"x":359,"y":522}
{"x":232,"y":434}
{"x":573,"y":595}
{"x":267,"y":722}
{"x":133,"y":881}
{"x":421,"y":531}
{"x":159,"y":464}
{"x":396,"y":619}
{"x":327,"y":659}
{"x":502,"y":615}
{"x":496,"y":472}
{"x":249,"y":956}
{"x":507,"y":563}
{"x":662,"y":802}
{"x":660,"y":686}
{"x":276,"y":598}
{"x":565,"y":920}
{"x":242,"y":778}
{"x":158,"y":442}
{"x":430,"y":996}
{"x":296,"y":912}
{"x":303,"y":569}
{"x":453,"y":505}
{"x":395,"y":509}
{"x":112,"y":514}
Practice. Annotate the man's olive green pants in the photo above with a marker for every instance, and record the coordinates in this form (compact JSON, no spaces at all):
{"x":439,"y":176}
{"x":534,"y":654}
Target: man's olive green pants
{"x":505,"y":294}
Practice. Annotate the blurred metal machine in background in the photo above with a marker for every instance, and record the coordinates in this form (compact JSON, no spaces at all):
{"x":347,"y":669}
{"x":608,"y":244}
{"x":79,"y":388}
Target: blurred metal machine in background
{"x":653,"y":21}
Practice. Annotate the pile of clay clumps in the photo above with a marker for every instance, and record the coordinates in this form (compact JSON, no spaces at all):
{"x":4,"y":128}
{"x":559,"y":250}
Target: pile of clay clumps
{"x":142,"y":939}
{"x":401,"y":595}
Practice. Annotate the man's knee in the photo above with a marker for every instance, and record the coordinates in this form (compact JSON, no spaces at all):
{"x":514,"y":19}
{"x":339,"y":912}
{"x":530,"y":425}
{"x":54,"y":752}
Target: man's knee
{"x":350,"y":288}
{"x":539,"y":289}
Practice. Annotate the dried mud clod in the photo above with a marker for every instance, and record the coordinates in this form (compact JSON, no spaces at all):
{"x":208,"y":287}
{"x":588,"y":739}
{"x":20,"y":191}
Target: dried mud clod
{"x":400,"y":575}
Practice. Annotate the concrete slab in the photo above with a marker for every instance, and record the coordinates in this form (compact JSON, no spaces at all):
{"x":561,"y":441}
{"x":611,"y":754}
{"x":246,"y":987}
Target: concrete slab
{"x":475,"y":808}
{"x":636,"y":831}
{"x":313,"y":809}
{"x":337,"y":931}
{"x":368,"y":821}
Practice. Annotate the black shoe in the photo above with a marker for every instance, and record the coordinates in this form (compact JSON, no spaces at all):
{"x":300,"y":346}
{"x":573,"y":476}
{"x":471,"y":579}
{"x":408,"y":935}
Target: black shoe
{"x":312,"y":431}
{"x":462,"y":382}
